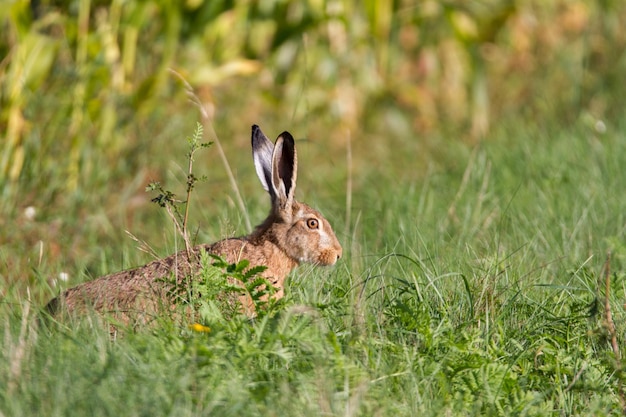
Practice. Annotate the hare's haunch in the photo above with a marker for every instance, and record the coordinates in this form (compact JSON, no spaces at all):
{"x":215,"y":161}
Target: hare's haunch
{"x":292,"y":233}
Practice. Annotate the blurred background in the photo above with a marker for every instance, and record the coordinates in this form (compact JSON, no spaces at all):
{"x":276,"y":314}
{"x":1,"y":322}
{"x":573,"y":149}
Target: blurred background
{"x":93,"y":105}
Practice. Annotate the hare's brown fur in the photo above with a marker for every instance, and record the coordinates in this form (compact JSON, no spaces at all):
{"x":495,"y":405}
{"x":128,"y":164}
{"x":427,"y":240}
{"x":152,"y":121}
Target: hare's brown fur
{"x":293,"y":233}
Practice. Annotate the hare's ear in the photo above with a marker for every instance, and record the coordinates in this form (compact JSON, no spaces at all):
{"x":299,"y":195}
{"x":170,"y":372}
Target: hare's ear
{"x":262,"y":150}
{"x":284,"y":171}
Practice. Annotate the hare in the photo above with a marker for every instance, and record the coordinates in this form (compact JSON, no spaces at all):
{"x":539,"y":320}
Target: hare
{"x":293,"y":233}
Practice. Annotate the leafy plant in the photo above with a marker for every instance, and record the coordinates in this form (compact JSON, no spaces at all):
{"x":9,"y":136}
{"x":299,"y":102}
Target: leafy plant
{"x":218,"y":290}
{"x":167,"y":199}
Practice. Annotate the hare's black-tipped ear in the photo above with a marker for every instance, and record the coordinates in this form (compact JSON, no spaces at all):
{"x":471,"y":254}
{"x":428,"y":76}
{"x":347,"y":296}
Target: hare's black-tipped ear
{"x":262,"y":150}
{"x":284,"y":170}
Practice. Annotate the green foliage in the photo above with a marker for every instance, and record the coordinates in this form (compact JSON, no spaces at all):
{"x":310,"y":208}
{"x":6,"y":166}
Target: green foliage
{"x":482,"y":149}
{"x":217,"y":292}
{"x":467,"y":312}
{"x":166,"y":198}
{"x":446,"y":66}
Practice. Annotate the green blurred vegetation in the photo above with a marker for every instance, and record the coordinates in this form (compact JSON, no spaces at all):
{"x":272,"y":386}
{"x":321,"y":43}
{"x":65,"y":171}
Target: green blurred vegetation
{"x":84,"y":77}
{"x":470,"y":156}
{"x":89,"y":111}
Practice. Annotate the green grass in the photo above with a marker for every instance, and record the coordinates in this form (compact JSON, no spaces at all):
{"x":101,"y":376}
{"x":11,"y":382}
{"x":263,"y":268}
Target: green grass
{"x":477,"y":201}
{"x":472,"y":284}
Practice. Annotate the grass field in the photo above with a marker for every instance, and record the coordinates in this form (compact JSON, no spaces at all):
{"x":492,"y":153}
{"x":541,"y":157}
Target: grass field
{"x":472,"y":285}
{"x":471,"y":160}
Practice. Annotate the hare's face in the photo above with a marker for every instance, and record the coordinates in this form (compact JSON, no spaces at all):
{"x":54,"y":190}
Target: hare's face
{"x":310,"y":238}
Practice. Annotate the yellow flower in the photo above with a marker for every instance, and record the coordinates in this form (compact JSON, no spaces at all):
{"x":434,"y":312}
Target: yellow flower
{"x":197,"y":327}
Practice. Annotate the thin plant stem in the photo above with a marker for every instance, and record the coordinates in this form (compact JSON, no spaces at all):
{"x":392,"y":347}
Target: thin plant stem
{"x":207,"y":123}
{"x":348,"y":181}
{"x":231,"y":178}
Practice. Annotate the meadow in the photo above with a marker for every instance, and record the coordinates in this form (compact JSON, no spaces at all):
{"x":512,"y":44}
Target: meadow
{"x":470,"y":162}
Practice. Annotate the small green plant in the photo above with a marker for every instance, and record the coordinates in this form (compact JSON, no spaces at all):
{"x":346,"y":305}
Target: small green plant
{"x":220,"y":286}
{"x":167,"y":199}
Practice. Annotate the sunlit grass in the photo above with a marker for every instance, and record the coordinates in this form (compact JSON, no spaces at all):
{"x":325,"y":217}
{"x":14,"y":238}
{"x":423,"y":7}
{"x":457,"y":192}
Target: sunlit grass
{"x":473,"y":277}
{"x":473,"y":287}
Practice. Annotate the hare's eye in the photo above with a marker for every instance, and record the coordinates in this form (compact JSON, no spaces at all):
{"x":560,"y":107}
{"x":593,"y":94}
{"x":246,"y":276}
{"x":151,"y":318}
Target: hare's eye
{"x":312,"y":223}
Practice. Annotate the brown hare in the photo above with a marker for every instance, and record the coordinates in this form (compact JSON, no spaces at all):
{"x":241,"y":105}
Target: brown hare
{"x":292,"y":233}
